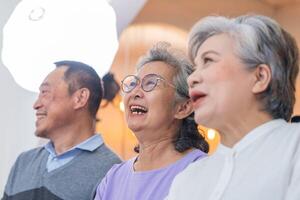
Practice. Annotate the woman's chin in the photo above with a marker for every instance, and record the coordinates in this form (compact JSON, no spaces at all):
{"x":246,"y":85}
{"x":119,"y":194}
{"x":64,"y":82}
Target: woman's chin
{"x":203,"y":119}
{"x":199,"y":118}
{"x":135,"y":127}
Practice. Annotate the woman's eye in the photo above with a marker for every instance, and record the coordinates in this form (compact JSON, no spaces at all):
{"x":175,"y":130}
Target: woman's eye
{"x":150,"y":83}
{"x":132,"y":84}
{"x":207,"y":60}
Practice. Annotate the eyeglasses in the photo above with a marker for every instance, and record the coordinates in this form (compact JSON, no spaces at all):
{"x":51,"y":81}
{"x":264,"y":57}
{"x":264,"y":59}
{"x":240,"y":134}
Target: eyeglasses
{"x":148,"y":83}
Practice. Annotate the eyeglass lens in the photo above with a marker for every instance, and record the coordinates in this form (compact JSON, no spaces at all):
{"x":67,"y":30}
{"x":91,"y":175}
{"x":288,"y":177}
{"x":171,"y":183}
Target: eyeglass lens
{"x":149,"y":82}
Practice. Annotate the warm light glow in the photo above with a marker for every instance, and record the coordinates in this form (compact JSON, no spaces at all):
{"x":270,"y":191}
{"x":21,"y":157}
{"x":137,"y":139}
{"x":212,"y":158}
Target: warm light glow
{"x":122,"y":107}
{"x":211,"y":134}
{"x":39,"y":33}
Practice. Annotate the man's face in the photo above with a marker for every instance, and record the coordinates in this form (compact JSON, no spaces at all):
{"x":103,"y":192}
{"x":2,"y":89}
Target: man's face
{"x":54,"y":105}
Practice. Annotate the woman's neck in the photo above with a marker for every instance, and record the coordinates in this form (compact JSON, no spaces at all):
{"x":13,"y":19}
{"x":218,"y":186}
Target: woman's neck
{"x":157,"y":154}
{"x":233,"y":132}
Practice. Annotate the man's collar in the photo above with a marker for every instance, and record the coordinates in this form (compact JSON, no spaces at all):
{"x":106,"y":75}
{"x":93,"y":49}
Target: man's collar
{"x":89,"y":144}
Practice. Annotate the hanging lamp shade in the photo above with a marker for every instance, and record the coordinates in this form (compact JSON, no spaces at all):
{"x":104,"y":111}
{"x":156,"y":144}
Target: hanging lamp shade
{"x":41,"y":32}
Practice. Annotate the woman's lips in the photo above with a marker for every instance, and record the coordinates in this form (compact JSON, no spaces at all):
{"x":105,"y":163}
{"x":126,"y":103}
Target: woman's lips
{"x":137,"y":110}
{"x":197,"y":98}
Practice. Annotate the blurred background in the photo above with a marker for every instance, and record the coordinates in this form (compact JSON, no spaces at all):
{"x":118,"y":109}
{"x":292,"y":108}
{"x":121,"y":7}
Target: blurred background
{"x":171,"y":20}
{"x":139,"y":25}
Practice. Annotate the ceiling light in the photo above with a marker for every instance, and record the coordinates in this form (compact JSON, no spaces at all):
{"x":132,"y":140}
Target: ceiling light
{"x":41,"y":32}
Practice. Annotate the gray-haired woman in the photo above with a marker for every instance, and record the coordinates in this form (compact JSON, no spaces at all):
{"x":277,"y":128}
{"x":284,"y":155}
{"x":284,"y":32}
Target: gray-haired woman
{"x":159,"y":112}
{"x":244,"y":86}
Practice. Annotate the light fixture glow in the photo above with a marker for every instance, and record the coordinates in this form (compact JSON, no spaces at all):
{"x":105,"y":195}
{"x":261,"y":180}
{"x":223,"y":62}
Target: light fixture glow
{"x":40,"y":32}
{"x":122,"y":107}
{"x":211,"y":134}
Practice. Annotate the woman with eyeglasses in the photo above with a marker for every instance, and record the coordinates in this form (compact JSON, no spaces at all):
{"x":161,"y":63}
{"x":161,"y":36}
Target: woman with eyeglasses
{"x":159,"y":112}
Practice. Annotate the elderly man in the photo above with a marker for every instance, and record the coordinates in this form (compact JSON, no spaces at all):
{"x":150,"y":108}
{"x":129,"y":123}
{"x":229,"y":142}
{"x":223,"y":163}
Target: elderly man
{"x":75,"y":160}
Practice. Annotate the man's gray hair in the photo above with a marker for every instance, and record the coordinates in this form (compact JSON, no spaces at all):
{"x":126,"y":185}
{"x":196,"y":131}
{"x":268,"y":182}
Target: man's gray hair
{"x":163,"y":52}
{"x":258,"y":40}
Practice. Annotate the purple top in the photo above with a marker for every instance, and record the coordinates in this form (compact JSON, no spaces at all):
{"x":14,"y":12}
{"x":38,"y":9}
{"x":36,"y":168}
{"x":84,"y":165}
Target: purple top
{"x":122,"y":182}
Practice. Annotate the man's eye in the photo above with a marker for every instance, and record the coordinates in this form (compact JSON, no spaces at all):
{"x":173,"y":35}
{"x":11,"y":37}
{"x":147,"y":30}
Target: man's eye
{"x":44,"y":92}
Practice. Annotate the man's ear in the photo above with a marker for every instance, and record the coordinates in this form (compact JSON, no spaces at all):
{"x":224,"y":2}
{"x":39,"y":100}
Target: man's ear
{"x":184,"y":109}
{"x":80,"y":98}
{"x":263,"y":75}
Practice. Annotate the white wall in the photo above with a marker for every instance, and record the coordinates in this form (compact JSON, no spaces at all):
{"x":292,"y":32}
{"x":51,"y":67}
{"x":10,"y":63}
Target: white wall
{"x":16,"y":113}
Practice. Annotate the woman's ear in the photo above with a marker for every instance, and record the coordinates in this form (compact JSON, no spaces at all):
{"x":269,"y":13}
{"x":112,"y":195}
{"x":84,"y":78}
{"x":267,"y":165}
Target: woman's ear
{"x":184,"y":109}
{"x":263,"y":75}
{"x":80,"y":98}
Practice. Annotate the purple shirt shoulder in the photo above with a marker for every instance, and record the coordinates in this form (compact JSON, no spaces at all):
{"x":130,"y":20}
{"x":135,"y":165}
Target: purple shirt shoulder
{"x":122,"y":182}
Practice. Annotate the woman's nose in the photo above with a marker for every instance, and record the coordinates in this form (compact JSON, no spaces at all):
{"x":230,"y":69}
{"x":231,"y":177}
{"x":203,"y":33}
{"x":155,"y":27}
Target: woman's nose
{"x":194,"y":79}
{"x":137,"y":92}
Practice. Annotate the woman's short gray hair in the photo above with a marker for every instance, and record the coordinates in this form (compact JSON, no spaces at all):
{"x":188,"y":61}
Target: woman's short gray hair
{"x":162,"y":51}
{"x":259,"y":40}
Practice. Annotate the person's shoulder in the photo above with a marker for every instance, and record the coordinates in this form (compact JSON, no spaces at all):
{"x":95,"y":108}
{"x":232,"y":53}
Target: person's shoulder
{"x":202,"y":158}
{"x":281,"y":123}
{"x":290,"y":134}
{"x":191,"y":157}
{"x":189,"y":175}
{"x":28,"y":157}
{"x":103,"y":149}
{"x":118,"y":170}
{"x":291,"y":129}
{"x":198,"y":154}
{"x":104,"y":152}
{"x":31,"y":154}
{"x":115,"y":176}
{"x":123,"y":166}
{"x":295,"y":127}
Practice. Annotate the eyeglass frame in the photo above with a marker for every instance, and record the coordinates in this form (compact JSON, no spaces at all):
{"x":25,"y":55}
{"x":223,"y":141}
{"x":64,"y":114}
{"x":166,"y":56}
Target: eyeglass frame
{"x":140,"y":82}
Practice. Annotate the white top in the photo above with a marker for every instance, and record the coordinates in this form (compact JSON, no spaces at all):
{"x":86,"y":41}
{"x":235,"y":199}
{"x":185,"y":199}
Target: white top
{"x":264,"y":165}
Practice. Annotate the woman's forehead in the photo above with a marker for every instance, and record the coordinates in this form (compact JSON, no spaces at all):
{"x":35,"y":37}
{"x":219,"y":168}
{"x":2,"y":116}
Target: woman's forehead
{"x":157,"y":67}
